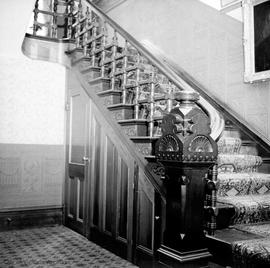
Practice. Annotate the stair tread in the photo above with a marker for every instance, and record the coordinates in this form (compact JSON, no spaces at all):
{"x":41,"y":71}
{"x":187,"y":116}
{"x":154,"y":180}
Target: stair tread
{"x":89,"y":68}
{"x":144,"y":138}
{"x":109,"y":91}
{"x":132,"y":121}
{"x":245,"y":198}
{"x":232,"y":234}
{"x":241,"y":245}
{"x":248,"y":208}
{"x":70,"y":51}
{"x":261,"y":229}
{"x":99,"y":79}
{"x":120,"y":105}
{"x":239,"y":184}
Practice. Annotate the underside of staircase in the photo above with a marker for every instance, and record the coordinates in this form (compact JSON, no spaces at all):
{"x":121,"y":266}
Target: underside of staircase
{"x":138,"y":96}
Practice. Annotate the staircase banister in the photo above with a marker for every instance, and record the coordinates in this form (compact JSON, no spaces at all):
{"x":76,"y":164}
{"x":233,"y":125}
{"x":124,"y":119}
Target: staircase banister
{"x":217,"y":122}
{"x":219,"y":106}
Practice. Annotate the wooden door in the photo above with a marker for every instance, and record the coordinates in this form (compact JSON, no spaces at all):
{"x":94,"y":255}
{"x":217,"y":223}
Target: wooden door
{"x":150,"y":211}
{"x":77,"y":159}
{"x":111,"y":190}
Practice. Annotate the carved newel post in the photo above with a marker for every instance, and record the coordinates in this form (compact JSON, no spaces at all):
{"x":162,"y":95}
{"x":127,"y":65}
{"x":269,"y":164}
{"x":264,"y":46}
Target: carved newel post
{"x":187,"y":152}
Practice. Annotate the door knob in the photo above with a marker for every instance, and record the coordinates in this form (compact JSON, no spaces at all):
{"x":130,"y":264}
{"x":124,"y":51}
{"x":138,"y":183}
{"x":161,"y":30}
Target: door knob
{"x":85,"y":158}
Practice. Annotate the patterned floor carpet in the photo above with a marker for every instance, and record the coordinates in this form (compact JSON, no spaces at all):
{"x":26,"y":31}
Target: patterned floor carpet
{"x":55,"y":246}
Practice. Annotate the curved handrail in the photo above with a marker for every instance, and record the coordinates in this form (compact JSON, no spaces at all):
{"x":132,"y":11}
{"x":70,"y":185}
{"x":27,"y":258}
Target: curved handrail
{"x":216,"y":118}
{"x":217,"y":121}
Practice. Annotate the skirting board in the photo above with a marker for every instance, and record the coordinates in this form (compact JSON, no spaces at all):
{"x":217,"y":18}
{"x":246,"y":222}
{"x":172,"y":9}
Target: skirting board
{"x":30,"y":217}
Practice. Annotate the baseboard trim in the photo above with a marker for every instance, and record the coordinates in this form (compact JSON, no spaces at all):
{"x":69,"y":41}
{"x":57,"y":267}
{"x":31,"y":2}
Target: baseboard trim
{"x":17,"y":218}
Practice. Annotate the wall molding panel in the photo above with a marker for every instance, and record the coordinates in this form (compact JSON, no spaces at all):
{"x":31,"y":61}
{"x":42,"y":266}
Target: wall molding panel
{"x":31,"y":175}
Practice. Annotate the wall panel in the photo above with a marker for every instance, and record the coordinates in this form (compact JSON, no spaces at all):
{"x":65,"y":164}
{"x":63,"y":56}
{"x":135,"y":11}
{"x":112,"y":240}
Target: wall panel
{"x":31,"y":175}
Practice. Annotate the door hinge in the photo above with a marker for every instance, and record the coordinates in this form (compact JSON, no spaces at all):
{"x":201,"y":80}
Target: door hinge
{"x":67,"y":106}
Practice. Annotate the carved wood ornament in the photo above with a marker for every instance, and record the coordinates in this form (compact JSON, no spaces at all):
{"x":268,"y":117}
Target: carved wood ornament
{"x":187,"y":153}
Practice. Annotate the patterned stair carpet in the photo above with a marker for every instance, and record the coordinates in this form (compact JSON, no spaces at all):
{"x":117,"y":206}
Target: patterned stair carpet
{"x":253,"y":253}
{"x":55,"y":246}
{"x":248,"y":208}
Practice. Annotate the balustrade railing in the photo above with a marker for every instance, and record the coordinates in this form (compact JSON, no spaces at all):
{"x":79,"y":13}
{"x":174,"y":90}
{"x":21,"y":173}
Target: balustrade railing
{"x":52,"y":18}
{"x":123,"y":61}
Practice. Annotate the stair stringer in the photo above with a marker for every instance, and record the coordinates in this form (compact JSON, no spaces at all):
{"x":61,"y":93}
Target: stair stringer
{"x":142,"y":162}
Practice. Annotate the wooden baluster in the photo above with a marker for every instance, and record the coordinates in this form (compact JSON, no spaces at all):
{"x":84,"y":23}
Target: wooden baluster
{"x":137,"y":88}
{"x":152,"y":103}
{"x":213,"y":201}
{"x":66,"y":14}
{"x":114,"y":50}
{"x":78,"y":25}
{"x":103,"y":53}
{"x":94,"y":43}
{"x":80,"y":10}
{"x":35,"y":24}
{"x":124,"y":93}
{"x":85,"y":35}
{"x":70,"y":19}
{"x":170,"y":98}
{"x":54,"y":22}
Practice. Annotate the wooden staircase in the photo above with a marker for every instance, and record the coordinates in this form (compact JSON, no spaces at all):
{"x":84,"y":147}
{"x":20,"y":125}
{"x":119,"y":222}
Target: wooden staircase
{"x":138,"y":90}
{"x":131,"y":114}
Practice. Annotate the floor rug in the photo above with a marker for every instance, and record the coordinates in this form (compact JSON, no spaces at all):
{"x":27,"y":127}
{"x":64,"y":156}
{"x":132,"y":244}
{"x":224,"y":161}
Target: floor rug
{"x":55,"y":246}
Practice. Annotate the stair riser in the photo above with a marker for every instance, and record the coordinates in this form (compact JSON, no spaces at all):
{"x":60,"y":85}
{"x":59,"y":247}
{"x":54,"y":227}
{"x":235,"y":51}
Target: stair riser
{"x":245,"y":185}
{"x":144,"y":148}
{"x":100,"y":86}
{"x":111,"y":99}
{"x":76,"y":55}
{"x":83,"y":65}
{"x":122,"y":114}
{"x":91,"y":75}
{"x":135,"y":130}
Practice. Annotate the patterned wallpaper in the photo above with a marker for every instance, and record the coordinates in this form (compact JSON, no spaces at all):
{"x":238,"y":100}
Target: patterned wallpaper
{"x":32,"y":118}
{"x":205,"y":43}
{"x":32,"y":101}
{"x":31,"y":175}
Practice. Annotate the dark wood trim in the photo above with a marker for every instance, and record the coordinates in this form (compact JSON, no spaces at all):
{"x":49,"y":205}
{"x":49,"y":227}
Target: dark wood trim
{"x":135,"y":211}
{"x":30,"y":217}
{"x":49,"y":39}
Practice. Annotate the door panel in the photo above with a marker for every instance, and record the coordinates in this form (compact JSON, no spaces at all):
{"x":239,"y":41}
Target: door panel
{"x":78,"y":127}
{"x":111,"y":189}
{"x":77,"y":154}
{"x":123,"y":203}
{"x":95,"y":195}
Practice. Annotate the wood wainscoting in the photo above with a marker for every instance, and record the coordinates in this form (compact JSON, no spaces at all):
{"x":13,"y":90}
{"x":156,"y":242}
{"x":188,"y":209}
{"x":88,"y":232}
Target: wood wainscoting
{"x":31,"y":184}
{"x":30,"y":217}
{"x":109,"y":198}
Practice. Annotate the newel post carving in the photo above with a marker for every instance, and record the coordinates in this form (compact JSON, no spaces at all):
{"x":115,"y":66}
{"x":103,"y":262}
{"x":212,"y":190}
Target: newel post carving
{"x":187,"y":152}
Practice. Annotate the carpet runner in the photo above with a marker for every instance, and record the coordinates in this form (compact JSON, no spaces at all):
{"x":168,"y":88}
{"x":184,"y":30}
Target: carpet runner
{"x":248,"y":191}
